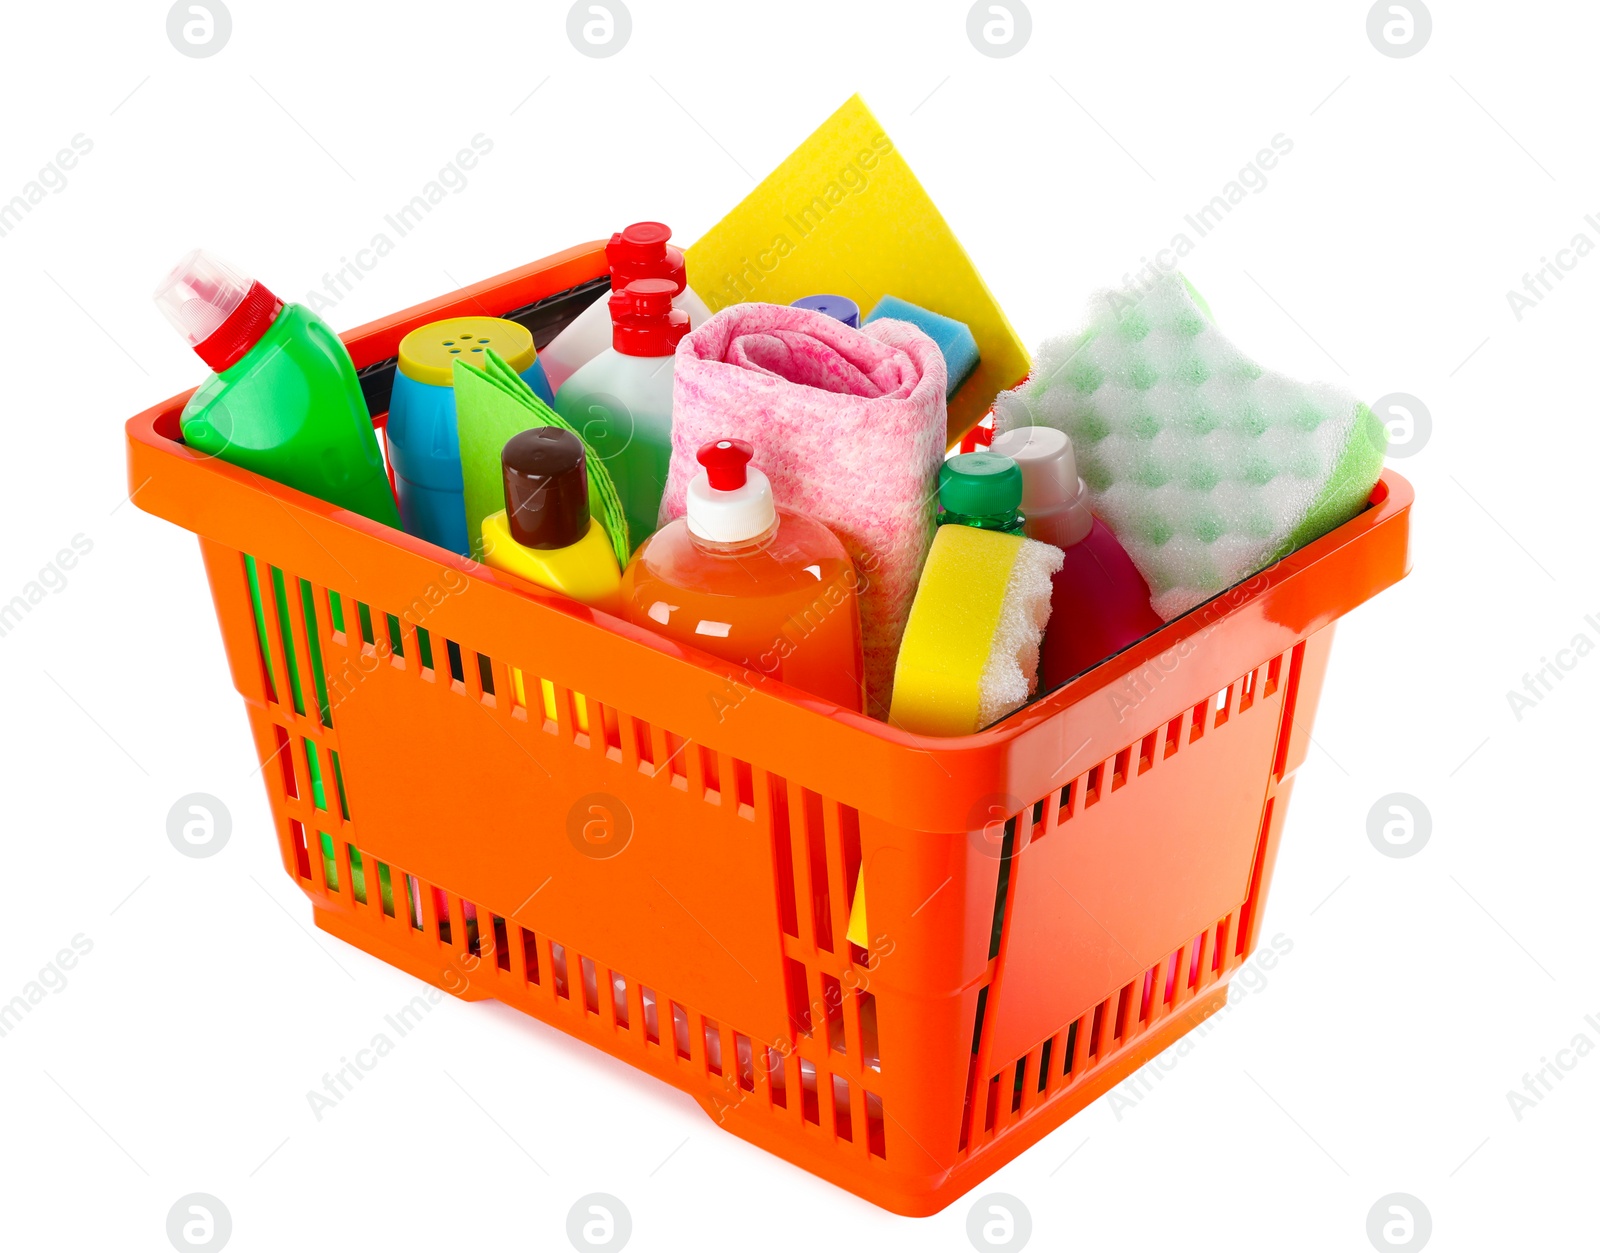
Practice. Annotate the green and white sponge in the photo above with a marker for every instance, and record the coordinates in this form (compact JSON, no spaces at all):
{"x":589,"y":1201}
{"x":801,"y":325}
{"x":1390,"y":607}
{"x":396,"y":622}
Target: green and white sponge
{"x":1207,"y":467}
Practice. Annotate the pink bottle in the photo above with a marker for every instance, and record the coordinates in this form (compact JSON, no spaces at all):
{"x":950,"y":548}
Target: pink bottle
{"x":1100,"y":603}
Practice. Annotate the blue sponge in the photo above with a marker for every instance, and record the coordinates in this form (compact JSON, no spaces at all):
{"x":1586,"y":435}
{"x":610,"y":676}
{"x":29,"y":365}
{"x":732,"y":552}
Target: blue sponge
{"x":955,"y":341}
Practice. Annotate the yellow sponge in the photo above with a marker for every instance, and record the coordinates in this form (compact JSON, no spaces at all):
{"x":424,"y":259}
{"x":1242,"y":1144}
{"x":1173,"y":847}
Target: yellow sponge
{"x":971,"y":649}
{"x":856,"y":932}
{"x":844,"y":213}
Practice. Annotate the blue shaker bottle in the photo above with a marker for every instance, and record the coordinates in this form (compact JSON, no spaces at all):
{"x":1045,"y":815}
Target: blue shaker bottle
{"x":423,"y":446}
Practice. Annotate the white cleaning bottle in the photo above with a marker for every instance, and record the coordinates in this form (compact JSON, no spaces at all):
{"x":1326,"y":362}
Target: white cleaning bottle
{"x":621,"y":400}
{"x":640,"y":251}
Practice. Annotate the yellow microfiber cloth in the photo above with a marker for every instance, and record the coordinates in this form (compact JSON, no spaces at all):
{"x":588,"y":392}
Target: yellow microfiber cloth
{"x":844,"y":213}
{"x":971,"y":649}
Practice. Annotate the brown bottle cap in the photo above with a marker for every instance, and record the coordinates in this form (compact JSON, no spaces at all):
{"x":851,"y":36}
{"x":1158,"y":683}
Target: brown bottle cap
{"x":547,"y":488}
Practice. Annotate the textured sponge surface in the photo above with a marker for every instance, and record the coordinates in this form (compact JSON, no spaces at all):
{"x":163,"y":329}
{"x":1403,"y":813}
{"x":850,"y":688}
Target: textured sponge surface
{"x":970,"y":654}
{"x":956,"y":344}
{"x":1205,"y":465}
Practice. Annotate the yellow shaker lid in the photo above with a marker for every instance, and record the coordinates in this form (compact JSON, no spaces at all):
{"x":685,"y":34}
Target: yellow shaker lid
{"x":429,"y":353}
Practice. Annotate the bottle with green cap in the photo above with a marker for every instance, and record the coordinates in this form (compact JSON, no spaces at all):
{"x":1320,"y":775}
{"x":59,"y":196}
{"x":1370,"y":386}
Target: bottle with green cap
{"x":981,"y":489}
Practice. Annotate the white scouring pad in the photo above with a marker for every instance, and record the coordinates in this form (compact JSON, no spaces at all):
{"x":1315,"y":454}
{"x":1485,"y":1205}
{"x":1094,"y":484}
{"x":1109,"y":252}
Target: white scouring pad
{"x":1206,"y":466}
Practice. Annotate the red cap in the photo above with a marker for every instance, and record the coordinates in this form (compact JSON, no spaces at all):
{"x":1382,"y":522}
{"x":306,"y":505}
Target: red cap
{"x":641,"y":251}
{"x":241,"y":329}
{"x":643,"y":321}
{"x":725,"y":461}
{"x":220,"y":311}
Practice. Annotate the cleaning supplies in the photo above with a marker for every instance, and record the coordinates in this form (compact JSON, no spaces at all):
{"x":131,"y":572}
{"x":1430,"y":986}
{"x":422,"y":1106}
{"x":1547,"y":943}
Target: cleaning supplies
{"x":639,"y":251}
{"x":423,"y":445}
{"x":844,"y":212}
{"x":753,"y":583}
{"x":1206,"y":466}
{"x":849,"y":425}
{"x":981,"y":489}
{"x":283,"y":400}
{"x":493,"y":404}
{"x":1099,"y":603}
{"x":971,"y":649}
{"x":545,"y":533}
{"x":839,"y":308}
{"x":954,"y":338}
{"x":621,"y":401}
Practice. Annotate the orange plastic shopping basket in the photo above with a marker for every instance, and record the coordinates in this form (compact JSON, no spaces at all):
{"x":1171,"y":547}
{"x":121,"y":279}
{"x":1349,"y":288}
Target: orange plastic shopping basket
{"x":658,"y":853}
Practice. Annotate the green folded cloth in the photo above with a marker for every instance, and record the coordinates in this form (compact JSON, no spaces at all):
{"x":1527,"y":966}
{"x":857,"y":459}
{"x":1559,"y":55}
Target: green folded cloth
{"x":492,"y":405}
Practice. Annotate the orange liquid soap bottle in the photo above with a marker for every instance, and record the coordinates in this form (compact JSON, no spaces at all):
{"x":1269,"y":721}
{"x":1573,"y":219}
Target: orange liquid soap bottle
{"x":747,"y":581}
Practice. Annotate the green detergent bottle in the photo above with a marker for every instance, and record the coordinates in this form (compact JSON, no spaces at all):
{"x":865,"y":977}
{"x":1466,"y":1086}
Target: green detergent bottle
{"x":283,"y":400}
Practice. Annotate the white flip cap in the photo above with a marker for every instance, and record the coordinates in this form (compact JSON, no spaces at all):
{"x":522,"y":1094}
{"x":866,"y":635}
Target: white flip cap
{"x":741,"y":507}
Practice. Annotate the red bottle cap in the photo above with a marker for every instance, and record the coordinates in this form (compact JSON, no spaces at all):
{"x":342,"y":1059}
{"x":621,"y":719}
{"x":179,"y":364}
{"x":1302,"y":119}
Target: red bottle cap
{"x":242,"y":329}
{"x":220,"y":311}
{"x":725,"y":461}
{"x":731,"y":503}
{"x":642,"y":251}
{"x":643,"y":321}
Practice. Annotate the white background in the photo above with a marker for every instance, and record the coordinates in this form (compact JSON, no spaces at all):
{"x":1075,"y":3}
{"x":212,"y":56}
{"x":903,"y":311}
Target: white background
{"x":1378,"y":1054}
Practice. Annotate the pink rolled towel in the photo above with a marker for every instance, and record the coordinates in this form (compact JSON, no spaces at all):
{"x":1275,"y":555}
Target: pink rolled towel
{"x":849,"y":426}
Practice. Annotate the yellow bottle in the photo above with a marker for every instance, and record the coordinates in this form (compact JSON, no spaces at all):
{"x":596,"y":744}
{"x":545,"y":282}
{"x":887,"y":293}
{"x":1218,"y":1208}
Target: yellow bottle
{"x":545,"y":533}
